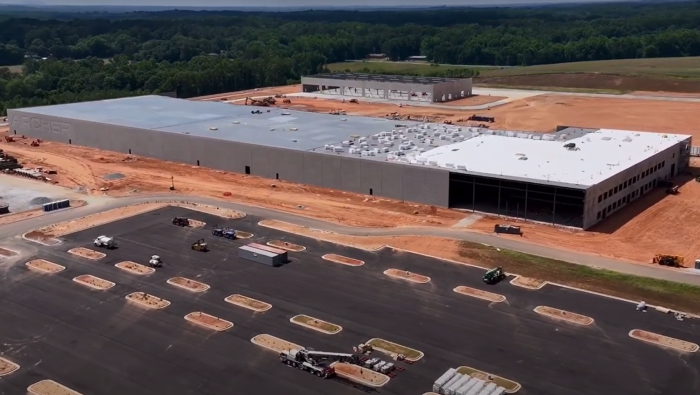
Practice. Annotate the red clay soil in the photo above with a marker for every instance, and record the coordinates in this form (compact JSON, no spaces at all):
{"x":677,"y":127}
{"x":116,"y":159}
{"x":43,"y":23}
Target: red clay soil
{"x":86,"y":253}
{"x":94,"y":282}
{"x":343,"y":260}
{"x":360,"y":374}
{"x":475,"y":100}
{"x":45,"y":266}
{"x":4,"y":252}
{"x":187,"y":283}
{"x":406,"y":275}
{"x":286,"y":246}
{"x":42,"y":237}
{"x":209,"y":321}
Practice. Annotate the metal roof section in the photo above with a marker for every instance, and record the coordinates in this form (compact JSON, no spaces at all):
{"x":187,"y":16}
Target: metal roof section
{"x":383,"y":78}
{"x":593,"y":155}
{"x":585,"y":160}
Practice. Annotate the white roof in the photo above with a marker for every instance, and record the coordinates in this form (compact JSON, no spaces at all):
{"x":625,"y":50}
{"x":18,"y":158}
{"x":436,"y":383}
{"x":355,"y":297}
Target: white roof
{"x":598,"y":155}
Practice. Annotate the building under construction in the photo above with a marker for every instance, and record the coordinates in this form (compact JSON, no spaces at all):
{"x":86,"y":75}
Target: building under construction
{"x":390,"y":87}
{"x":573,"y":177}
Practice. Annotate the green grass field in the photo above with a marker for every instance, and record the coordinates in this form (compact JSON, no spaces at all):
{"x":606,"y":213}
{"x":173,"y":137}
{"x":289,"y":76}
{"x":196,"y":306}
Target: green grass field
{"x":670,"y":294}
{"x":661,"y":67}
{"x":396,"y":67}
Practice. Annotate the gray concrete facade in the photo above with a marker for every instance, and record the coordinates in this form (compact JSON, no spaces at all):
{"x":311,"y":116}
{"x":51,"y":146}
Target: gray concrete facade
{"x":441,"y":90}
{"x":618,"y":191}
{"x":378,"y":178}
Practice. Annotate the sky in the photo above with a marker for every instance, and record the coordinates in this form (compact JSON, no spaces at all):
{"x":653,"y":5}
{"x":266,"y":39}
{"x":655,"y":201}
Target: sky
{"x":291,"y":3}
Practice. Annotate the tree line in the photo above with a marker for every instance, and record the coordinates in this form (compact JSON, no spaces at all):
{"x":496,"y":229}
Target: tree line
{"x":197,"y":53}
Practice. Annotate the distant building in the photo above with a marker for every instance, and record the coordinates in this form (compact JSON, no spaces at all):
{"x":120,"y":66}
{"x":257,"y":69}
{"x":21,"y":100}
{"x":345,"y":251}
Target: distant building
{"x":377,"y":56}
{"x":417,"y":59}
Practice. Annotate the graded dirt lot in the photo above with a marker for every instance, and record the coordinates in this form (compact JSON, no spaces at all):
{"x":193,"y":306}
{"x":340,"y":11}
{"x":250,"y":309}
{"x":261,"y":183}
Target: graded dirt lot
{"x":7,"y":367}
{"x":50,"y":387}
{"x":94,"y":282}
{"x":316,"y":324}
{"x":86,"y":253}
{"x":408,"y":276}
{"x":146,"y":300}
{"x":248,"y":303}
{"x":209,"y":321}
{"x":343,"y":260}
{"x":135,"y":268}
{"x":45,"y":266}
{"x":186,"y":283}
{"x":360,"y":374}
{"x":564,"y":315}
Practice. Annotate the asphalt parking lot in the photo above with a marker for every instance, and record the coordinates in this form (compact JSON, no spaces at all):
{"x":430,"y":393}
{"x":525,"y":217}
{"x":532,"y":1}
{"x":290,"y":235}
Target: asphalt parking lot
{"x":94,"y":342}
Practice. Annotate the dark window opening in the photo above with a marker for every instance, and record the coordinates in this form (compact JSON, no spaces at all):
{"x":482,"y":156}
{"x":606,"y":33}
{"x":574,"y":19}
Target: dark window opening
{"x":129,"y":151}
{"x":247,"y":170}
{"x":371,"y":192}
{"x":197,"y":162}
{"x":70,"y":141}
{"x":15,"y":132}
{"x":277,"y":176}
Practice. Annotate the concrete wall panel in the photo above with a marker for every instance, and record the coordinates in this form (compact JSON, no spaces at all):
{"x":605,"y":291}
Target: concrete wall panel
{"x":371,"y":178}
{"x":392,"y":180}
{"x":414,"y":183}
{"x":259,"y":158}
{"x":351,"y":175}
{"x":332,"y":171}
{"x":313,"y":168}
{"x":181,"y":148}
{"x":437,"y":187}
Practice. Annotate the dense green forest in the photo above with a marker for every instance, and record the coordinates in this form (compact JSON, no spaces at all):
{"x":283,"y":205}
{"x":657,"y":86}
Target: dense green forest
{"x":197,"y":53}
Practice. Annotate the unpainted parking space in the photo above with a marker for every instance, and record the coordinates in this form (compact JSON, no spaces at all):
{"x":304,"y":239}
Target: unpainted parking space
{"x":507,"y":339}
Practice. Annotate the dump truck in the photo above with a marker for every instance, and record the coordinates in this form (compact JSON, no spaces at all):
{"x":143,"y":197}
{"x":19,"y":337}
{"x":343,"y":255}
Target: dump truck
{"x":494,"y":276}
{"x":105,"y":242}
{"x":200,"y":245}
{"x":181,"y":221}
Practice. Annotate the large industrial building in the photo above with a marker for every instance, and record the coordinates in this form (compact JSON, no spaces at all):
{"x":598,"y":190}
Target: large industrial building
{"x":396,"y":87}
{"x":574,"y":177}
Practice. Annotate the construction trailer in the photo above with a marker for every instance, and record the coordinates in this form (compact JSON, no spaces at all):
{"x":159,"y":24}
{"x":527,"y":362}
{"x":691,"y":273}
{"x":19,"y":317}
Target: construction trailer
{"x":258,"y":255}
{"x":282,"y":253}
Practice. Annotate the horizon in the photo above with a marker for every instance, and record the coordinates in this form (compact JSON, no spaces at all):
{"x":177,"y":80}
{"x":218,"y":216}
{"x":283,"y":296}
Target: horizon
{"x":296,"y":3}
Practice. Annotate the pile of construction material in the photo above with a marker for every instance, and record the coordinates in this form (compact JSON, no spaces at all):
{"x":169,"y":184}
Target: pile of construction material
{"x":454,"y":383}
{"x":8,"y":162}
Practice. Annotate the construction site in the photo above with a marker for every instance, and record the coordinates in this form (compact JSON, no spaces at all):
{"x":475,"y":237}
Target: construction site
{"x":159,"y":288}
{"x":630,"y":234}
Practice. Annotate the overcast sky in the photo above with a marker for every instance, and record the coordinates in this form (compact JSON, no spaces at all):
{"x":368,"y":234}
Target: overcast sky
{"x":291,"y":3}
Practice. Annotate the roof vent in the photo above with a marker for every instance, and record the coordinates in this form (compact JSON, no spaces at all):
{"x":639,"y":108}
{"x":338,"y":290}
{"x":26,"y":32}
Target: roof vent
{"x":607,"y":138}
{"x":236,"y":122}
{"x":462,"y":167}
{"x":455,"y":149}
{"x":293,"y":129}
{"x":286,"y":113}
{"x":213,"y":128}
{"x":523,"y":158}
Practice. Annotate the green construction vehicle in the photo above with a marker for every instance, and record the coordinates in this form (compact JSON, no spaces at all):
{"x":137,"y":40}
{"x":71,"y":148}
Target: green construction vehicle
{"x":494,"y":276}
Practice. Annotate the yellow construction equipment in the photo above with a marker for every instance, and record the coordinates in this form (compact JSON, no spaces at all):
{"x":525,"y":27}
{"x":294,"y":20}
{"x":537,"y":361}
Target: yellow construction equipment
{"x":669,"y":260}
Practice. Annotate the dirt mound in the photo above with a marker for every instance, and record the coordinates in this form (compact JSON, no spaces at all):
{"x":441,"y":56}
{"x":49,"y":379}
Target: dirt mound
{"x":38,"y":201}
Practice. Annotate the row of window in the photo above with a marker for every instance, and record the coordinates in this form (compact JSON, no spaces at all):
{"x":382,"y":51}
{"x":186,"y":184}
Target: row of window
{"x":631,"y":181}
{"x":624,"y":200}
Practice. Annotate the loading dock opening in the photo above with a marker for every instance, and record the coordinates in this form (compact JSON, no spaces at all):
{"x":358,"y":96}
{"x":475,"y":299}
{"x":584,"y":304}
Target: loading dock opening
{"x":530,"y":201}
{"x":247,"y":170}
